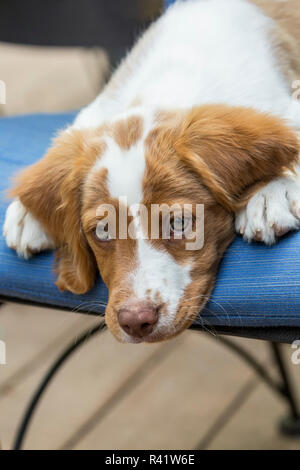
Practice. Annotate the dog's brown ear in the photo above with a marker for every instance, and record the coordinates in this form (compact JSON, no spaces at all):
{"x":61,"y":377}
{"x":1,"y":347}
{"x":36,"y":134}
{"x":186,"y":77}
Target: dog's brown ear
{"x":233,"y":149}
{"x":52,"y":190}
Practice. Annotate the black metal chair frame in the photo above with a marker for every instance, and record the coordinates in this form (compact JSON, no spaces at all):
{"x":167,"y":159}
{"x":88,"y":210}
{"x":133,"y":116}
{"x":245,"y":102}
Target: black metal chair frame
{"x":283,"y":387}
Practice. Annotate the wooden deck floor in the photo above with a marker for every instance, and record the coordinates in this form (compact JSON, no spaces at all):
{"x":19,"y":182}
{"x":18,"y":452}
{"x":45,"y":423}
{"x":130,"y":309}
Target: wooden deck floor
{"x":184,"y":394}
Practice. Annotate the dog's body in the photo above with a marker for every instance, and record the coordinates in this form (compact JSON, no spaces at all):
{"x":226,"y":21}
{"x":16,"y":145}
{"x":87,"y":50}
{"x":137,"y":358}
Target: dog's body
{"x":190,"y":100}
{"x":201,"y":52}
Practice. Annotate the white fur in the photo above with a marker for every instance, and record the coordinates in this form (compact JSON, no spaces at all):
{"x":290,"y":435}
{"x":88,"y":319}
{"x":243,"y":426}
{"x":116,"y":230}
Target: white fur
{"x":125,"y":170}
{"x":125,"y":167}
{"x":158,"y":278}
{"x":160,"y":273}
{"x":215,"y":51}
{"x":23,"y":232}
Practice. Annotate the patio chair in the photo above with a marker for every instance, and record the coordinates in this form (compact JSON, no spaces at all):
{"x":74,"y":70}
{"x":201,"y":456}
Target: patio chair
{"x":257,"y":294}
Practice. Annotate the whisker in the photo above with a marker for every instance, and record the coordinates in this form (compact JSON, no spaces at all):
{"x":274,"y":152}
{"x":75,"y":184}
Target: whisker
{"x":90,"y":303}
{"x":213,"y":301}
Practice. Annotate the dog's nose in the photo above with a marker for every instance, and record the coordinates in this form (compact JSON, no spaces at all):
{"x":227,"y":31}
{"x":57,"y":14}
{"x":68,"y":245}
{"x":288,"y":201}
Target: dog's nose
{"x":138,"y":318}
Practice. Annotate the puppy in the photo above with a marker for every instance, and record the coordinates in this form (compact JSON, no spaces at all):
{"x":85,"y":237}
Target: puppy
{"x":200,"y":118}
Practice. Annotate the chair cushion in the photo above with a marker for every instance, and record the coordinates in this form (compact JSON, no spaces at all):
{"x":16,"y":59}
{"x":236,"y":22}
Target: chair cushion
{"x":256,"y":285}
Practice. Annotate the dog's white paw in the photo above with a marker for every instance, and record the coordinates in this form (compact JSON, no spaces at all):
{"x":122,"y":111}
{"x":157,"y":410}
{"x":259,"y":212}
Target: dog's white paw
{"x":271,"y":212}
{"x":23,"y":232}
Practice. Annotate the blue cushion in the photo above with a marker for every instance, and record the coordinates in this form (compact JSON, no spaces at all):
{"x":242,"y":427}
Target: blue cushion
{"x":256,"y":285}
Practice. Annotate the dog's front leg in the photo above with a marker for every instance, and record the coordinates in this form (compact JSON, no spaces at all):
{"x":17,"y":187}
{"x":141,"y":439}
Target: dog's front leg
{"x":23,"y":232}
{"x":272,"y":212}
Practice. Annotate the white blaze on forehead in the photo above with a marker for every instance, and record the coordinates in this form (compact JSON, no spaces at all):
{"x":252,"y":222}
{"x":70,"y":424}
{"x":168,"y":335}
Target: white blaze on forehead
{"x":125,"y":167}
{"x":125,"y":170}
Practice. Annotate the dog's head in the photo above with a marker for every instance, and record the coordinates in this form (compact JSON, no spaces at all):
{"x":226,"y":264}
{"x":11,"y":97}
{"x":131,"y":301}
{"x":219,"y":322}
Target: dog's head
{"x":149,"y":200}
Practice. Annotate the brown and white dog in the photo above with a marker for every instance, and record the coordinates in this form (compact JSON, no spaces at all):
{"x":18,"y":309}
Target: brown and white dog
{"x":201,"y":112}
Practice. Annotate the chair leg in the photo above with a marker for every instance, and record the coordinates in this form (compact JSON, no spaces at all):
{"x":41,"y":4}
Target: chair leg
{"x":290,"y":424}
{"x":22,"y":430}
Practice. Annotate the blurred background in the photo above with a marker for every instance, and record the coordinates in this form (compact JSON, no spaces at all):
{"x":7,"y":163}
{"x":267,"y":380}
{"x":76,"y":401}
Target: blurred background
{"x":188,"y":393}
{"x":56,"y":55}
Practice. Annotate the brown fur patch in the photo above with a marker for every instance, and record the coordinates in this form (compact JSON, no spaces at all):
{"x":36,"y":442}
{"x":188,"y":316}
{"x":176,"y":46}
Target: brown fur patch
{"x":127,"y":132}
{"x":231,"y":149}
{"x":234,"y":148}
{"x":136,"y":102}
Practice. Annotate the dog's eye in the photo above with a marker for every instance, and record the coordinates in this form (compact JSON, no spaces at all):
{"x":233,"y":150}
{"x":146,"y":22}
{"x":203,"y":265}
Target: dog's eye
{"x":102,"y":233}
{"x":180,"y":224}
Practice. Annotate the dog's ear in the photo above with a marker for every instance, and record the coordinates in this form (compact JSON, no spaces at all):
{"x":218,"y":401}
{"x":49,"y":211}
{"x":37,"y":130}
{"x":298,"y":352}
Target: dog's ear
{"x":235,"y":149}
{"x":52,"y":191}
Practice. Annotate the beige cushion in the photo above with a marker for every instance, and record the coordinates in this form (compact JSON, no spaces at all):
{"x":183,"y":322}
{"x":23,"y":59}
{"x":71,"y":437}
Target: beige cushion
{"x":50,"y":79}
